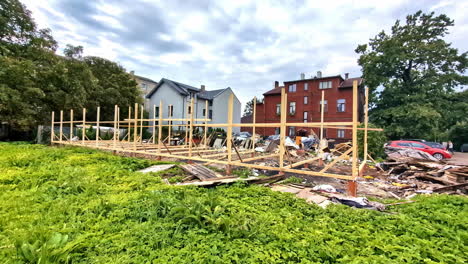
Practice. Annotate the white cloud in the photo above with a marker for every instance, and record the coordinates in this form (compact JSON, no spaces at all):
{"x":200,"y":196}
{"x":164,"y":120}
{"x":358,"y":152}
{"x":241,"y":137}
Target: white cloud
{"x":244,"y":44}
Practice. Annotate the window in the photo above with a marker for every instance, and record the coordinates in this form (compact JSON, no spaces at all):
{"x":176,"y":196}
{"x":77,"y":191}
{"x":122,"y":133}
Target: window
{"x":340,"y":105}
{"x":417,"y":145}
{"x":325,"y":85}
{"x":210,"y":103}
{"x":306,"y":99}
{"x":306,"y":86}
{"x":292,"y":108}
{"x":292,"y":88}
{"x":210,"y":114}
{"x":278,"y":109}
{"x":292,"y":131}
{"x":306,"y":115}
{"x":144,"y":86}
{"x":189,"y":110}
{"x":402,"y":144}
{"x":204,"y":112}
{"x":277,"y":131}
{"x":340,"y":133}
{"x":325,"y":107}
{"x":156,"y":111}
{"x":324,"y":133}
{"x":170,"y":110}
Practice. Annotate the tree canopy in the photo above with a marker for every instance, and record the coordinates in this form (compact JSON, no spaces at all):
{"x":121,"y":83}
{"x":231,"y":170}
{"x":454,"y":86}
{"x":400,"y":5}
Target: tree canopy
{"x":34,"y":80}
{"x":413,"y":74}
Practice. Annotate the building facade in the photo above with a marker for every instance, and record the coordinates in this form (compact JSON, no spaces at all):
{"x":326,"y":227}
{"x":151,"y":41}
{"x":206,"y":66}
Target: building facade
{"x":304,"y":105}
{"x":146,"y":85}
{"x":176,"y":98}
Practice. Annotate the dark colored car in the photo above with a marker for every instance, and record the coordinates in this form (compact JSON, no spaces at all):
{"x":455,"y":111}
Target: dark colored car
{"x":422,"y":146}
{"x":464,"y":148}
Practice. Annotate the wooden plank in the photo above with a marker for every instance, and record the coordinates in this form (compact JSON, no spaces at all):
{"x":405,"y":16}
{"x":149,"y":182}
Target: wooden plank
{"x":254,"y":121}
{"x":322,"y":112}
{"x":451,"y":187}
{"x":284,"y":101}
{"x":229,"y":128}
{"x":191,"y":127}
{"x":302,"y":162}
{"x":329,"y":165}
{"x":355,"y":172}
{"x":61,"y":126}
{"x":160,"y":125}
{"x":52,"y":125}
{"x":366,"y":121}
{"x":71,"y":124}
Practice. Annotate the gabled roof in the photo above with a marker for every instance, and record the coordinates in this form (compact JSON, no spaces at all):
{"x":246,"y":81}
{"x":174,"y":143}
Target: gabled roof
{"x":185,"y":89}
{"x":144,"y":78}
{"x":209,"y":95}
{"x":347,"y":83}
{"x":274,"y":91}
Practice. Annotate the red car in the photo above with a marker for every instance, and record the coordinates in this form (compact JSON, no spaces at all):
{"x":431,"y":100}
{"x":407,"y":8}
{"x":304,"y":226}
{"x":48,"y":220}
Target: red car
{"x":436,"y":152}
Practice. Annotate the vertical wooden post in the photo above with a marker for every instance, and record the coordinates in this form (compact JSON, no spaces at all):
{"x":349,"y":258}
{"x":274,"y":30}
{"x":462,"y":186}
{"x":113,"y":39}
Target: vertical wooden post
{"x":206,"y":121}
{"x":191,"y":127}
{"x":141,"y":123}
{"x":229,"y":134}
{"x":186,"y":131}
{"x":366,"y":123}
{"x":284,"y":101}
{"x":83,"y":129}
{"x":322,"y":110}
{"x":129,"y":123}
{"x":135,"y":127}
{"x":154,"y":124}
{"x":115,"y":127}
{"x":98,"y":128}
{"x":170,"y":123}
{"x":71,"y":125}
{"x":160,"y":126}
{"x":254,"y":114}
{"x":352,"y":185}
{"x":118,"y":123}
{"x":61,"y":125}
{"x":52,"y":125}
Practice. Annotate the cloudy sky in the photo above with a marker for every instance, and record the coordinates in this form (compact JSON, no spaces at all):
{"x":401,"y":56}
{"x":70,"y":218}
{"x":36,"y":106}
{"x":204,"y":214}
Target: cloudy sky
{"x":246,"y":45}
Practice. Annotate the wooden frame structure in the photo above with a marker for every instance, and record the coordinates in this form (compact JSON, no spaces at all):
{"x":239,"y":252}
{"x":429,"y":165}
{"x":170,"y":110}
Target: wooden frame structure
{"x":133,"y":142}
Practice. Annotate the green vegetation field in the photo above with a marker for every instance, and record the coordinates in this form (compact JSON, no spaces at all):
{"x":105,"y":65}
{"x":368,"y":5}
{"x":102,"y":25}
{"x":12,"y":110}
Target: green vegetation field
{"x":76,"y":205}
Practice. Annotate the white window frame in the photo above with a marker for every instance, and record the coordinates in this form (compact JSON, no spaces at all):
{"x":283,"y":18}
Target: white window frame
{"x":292,"y":108}
{"x":341,"y":105}
{"x":278,"y":109}
{"x":340,"y":133}
{"x":306,"y":86}
{"x":306,"y":100}
{"x":292,"y":131}
{"x":305,"y":116}
{"x":292,"y":88}
{"x":325,"y":85}
{"x":325,"y":108}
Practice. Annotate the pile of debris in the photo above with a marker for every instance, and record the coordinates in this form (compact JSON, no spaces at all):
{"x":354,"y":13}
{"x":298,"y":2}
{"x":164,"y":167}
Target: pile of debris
{"x":410,"y":171}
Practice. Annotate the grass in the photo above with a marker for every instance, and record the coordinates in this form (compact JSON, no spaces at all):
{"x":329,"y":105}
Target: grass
{"x":74,"y":205}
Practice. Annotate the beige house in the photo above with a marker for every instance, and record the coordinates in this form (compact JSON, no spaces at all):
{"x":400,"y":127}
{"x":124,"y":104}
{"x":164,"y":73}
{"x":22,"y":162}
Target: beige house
{"x":146,"y":85}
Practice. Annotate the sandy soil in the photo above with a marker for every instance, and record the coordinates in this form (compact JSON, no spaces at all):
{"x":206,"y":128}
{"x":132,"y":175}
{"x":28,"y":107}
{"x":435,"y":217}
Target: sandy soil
{"x":459,"y":158}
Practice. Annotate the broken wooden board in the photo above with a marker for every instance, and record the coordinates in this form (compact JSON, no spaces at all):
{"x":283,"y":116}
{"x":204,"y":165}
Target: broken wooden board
{"x":157,"y":168}
{"x":200,"y":171}
{"x":217,"y":181}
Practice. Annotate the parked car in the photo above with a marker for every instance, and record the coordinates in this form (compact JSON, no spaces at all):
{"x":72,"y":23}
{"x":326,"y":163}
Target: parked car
{"x":464,"y":148}
{"x":422,"y":146}
{"x":430,"y":143}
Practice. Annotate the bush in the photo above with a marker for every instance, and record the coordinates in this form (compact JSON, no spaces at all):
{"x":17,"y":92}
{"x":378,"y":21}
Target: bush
{"x":375,"y":142}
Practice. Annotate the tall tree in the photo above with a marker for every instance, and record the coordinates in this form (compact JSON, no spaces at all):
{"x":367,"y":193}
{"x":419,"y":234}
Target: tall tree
{"x":412,"y":73}
{"x":248,"y":110}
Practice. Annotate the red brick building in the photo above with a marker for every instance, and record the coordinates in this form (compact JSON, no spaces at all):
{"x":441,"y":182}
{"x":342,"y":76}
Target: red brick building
{"x":304,"y":96}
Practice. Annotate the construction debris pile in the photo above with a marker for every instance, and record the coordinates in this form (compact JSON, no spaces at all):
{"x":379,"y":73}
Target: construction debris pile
{"x":408,"y":171}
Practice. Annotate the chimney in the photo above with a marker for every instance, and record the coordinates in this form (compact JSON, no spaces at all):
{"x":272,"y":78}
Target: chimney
{"x":302,"y":76}
{"x":319,"y":74}
{"x":202,"y":88}
{"x":132,"y":72}
{"x":346,"y":75}
{"x":276,"y":84}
